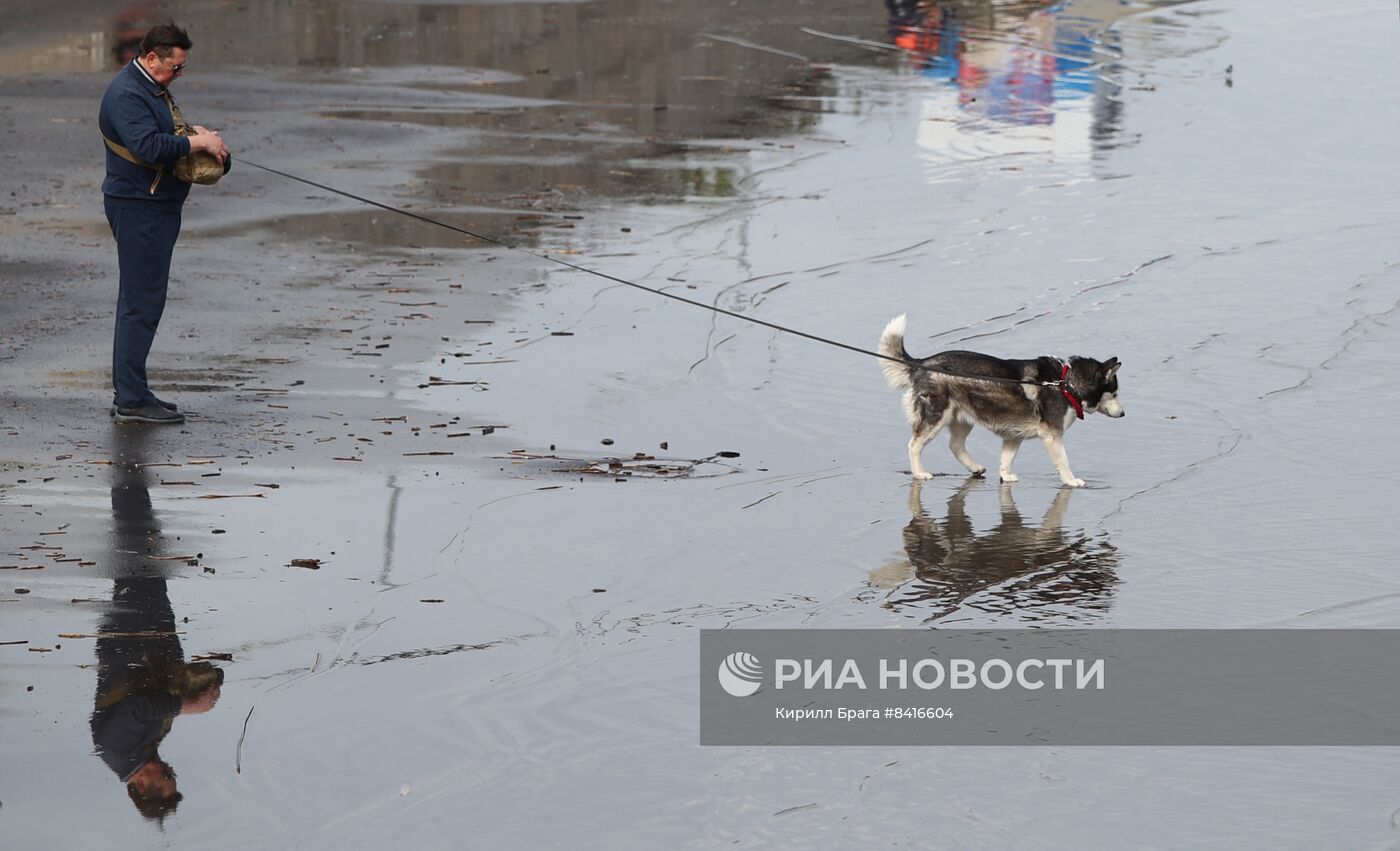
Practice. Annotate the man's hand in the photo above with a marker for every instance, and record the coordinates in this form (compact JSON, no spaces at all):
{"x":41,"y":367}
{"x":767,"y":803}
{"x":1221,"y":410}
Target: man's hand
{"x":205,"y":139}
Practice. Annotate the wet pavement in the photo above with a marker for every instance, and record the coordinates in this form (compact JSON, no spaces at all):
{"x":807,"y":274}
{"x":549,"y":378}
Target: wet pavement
{"x":449,"y":517}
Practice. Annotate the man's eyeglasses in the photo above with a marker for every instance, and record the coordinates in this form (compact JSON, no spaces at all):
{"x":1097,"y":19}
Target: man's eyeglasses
{"x":177,"y":68}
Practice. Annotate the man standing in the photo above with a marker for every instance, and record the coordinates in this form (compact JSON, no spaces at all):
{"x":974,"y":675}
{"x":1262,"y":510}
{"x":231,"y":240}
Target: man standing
{"x":143,"y":199}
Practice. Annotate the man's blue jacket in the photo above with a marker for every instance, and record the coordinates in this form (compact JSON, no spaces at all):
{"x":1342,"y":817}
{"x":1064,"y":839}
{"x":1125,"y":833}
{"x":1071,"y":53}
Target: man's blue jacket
{"x":135,"y":115}
{"x":126,"y":735}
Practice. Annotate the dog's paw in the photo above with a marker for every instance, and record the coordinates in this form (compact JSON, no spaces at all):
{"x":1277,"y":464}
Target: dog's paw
{"x":1073,"y":483}
{"x":1008,"y":478}
{"x":923,"y":477}
{"x":977,"y":470}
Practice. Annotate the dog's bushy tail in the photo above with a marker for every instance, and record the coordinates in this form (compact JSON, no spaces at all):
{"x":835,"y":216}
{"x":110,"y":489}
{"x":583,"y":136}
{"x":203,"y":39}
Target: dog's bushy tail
{"x":892,"y":346}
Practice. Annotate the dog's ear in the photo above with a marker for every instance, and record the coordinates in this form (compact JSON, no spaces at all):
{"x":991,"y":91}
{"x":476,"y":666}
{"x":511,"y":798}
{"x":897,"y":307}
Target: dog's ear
{"x":1110,"y":368}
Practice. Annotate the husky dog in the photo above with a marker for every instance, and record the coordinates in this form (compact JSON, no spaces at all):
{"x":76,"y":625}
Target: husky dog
{"x":944,"y":390}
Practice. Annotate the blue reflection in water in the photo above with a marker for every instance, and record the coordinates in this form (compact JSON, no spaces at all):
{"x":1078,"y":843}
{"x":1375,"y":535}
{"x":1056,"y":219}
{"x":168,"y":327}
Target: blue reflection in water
{"x":1017,"y":65}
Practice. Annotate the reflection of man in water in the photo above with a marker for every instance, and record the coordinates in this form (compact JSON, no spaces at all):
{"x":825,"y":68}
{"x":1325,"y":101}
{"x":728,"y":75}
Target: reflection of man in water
{"x":1028,"y":571}
{"x":143,"y":682}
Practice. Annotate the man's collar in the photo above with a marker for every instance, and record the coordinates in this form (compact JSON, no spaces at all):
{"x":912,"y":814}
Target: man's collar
{"x":146,"y":75}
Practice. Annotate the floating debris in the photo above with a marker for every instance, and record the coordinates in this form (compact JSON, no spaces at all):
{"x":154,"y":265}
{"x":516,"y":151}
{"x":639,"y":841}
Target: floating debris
{"x":238,"y":751}
{"x":308,"y":563}
{"x":144,"y":634}
{"x":480,"y":362}
{"x":435,"y":381}
{"x":757,"y":501}
{"x":190,"y":560}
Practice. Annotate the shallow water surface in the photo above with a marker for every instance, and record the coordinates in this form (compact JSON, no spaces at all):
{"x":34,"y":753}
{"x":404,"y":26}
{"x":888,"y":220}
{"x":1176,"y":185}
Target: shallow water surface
{"x":496,"y":643}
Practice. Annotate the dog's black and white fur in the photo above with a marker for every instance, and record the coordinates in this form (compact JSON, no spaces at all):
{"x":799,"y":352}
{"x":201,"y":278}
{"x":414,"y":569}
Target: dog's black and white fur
{"x":934,"y":400}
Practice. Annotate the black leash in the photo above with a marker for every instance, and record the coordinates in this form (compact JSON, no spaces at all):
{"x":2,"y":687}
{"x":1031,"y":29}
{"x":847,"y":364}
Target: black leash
{"x":1062,"y":383}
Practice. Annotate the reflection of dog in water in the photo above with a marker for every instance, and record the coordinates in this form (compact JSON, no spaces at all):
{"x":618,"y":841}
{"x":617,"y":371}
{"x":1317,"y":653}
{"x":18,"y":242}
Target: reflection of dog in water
{"x":1032,"y":572}
{"x":946,"y":393}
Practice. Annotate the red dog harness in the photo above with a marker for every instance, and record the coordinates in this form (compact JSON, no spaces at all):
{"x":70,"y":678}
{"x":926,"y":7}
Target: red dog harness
{"x":1069,"y":394}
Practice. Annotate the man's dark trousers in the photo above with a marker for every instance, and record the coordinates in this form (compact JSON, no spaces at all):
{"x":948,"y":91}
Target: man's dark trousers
{"x":145,"y":234}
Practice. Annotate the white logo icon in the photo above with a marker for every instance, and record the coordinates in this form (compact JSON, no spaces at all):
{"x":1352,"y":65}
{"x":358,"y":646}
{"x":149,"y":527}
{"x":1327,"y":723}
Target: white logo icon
{"x":741,"y":674}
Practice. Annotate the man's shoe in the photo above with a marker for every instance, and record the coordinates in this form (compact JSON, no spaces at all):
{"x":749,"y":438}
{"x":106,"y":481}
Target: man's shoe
{"x":169,"y":406}
{"x":158,"y":414}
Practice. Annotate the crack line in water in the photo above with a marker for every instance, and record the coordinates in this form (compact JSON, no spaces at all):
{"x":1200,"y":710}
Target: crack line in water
{"x":1185,"y":471}
{"x":1064,"y":302}
{"x":1350,"y":336}
{"x":869,"y":258}
{"x":1335,"y":607}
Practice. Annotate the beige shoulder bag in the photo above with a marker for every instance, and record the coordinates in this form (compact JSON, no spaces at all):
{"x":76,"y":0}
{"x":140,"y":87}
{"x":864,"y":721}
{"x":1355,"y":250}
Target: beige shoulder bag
{"x":199,"y":167}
